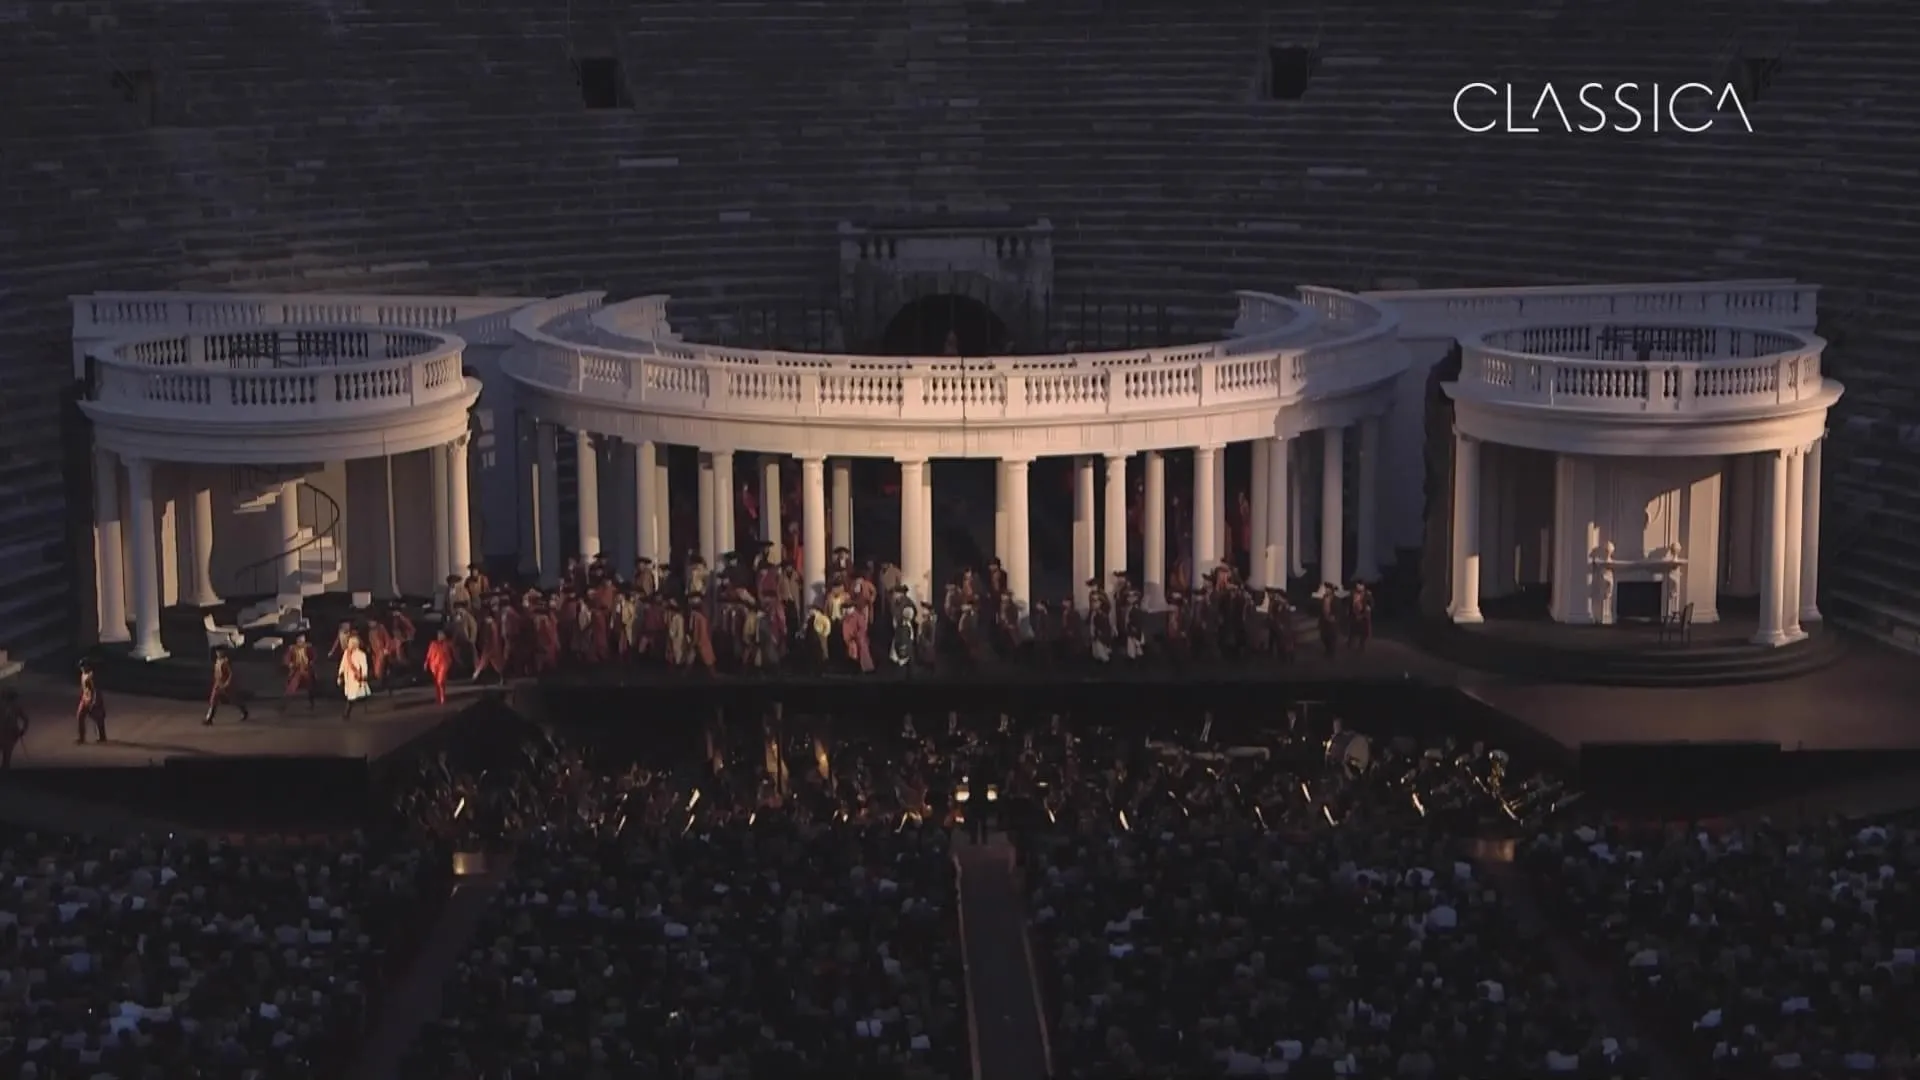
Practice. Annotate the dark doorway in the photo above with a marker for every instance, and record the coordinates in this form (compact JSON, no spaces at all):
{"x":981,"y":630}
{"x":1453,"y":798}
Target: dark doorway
{"x":1637,"y":601}
{"x":945,"y":324}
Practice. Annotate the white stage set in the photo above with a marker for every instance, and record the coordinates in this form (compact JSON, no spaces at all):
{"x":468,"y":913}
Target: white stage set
{"x":1612,"y":436}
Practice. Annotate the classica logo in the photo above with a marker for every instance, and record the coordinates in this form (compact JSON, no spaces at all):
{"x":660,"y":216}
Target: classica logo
{"x":1623,"y":108}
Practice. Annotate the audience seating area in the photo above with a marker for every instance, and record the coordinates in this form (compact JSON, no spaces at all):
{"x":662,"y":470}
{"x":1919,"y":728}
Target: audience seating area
{"x":1758,"y":949}
{"x":1256,"y":897}
{"x":168,"y":957}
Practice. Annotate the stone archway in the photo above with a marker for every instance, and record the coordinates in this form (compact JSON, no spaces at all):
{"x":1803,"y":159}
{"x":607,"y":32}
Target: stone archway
{"x":945,"y":324}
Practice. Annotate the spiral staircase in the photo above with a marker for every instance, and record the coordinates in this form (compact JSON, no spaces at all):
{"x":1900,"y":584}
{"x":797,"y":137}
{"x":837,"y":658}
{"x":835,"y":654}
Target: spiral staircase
{"x":314,"y":543}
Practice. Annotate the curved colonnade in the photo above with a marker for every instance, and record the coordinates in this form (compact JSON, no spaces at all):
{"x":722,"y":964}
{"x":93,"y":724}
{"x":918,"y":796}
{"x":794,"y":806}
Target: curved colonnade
{"x":237,"y":389}
{"x":1290,"y":369}
{"x":1715,"y":372}
{"x":1712,"y":430}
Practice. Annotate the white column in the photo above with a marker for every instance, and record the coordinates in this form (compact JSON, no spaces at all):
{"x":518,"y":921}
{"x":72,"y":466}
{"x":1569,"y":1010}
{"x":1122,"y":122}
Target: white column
{"x":842,"y":535}
{"x":287,"y":507}
{"x":169,"y":514}
{"x":1772,"y":497}
{"x":1366,"y":516}
{"x":201,"y":536}
{"x":725,"y":498}
{"x":1261,"y":498}
{"x":1114,"y":560}
{"x":925,"y":532}
{"x":393,"y":538}
{"x":1222,"y":519}
{"x":1742,"y":525}
{"x":770,"y":530}
{"x":646,"y":502}
{"x":1206,"y":546}
{"x":443,"y":514}
{"x":1019,"y":569}
{"x":547,"y":475}
{"x":915,"y":519}
{"x":460,"y":508}
{"x":663,"y":507}
{"x":1296,"y":514}
{"x":109,"y":547}
{"x":1153,"y":533}
{"x":1000,"y":519}
{"x":1333,"y":483}
{"x":1466,"y":530}
{"x":146,"y":574}
{"x":1279,"y":553}
{"x":813,"y":526}
{"x":1083,"y":568}
{"x":587,"y":492}
{"x":1810,"y":537}
{"x":1796,"y":523}
{"x":709,"y":523}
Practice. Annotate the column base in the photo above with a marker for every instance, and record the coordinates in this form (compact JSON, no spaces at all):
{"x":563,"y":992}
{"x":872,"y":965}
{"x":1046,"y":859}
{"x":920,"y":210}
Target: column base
{"x":150,"y":652}
{"x":1467,"y":618}
{"x":110,"y":636}
{"x":1794,"y":633}
{"x":1809,"y":615}
{"x":205,"y":600}
{"x":1770,"y":638}
{"x":1703,"y":616}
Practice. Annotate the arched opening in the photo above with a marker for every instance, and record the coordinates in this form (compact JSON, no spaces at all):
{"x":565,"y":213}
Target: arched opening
{"x":945,"y":325}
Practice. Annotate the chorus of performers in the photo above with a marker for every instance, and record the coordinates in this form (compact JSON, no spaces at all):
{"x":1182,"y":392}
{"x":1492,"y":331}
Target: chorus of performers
{"x":751,"y":614}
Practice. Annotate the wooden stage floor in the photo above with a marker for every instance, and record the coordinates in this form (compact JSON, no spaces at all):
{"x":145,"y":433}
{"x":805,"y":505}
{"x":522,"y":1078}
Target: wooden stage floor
{"x":1866,"y":701}
{"x":145,"y":731}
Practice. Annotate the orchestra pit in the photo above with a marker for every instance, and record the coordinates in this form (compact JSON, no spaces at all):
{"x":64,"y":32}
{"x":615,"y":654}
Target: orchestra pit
{"x":931,"y":538}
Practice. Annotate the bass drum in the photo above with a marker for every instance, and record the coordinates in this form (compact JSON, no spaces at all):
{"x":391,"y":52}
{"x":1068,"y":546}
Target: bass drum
{"x":1350,"y":750}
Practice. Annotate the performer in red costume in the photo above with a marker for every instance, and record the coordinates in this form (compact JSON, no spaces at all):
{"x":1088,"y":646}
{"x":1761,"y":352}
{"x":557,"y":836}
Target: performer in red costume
{"x":440,"y":664}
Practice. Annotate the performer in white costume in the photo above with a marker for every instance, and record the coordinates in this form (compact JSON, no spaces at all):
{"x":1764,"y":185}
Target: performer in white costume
{"x":355,"y":676}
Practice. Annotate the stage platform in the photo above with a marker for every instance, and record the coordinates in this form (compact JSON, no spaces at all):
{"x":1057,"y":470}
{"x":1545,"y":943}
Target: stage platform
{"x":1718,"y":654}
{"x":145,"y":731}
{"x":1857,"y":707}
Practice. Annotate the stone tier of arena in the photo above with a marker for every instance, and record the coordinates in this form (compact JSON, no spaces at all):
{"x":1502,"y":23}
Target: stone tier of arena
{"x":295,"y":147}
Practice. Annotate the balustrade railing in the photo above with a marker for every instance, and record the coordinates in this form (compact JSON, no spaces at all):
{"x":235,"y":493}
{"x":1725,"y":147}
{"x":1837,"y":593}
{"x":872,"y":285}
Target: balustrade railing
{"x":1449,"y":312}
{"x":110,"y":314}
{"x":1358,"y":346}
{"x":1671,"y":368}
{"x":282,"y":373}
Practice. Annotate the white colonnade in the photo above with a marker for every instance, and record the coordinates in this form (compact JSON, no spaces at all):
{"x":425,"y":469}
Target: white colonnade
{"x":1100,"y":544}
{"x":136,"y":546}
{"x":1761,"y":536}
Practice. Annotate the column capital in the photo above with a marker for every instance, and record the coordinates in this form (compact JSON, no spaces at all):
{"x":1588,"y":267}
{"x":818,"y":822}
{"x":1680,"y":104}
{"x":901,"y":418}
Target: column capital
{"x":910,"y":462}
{"x":1117,"y":455}
{"x":1209,"y":448}
{"x":1017,"y":459}
{"x":809,"y":458}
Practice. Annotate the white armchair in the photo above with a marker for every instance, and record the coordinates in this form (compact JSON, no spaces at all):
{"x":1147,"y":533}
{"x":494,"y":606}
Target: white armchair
{"x":222,"y":637}
{"x":292,"y":620}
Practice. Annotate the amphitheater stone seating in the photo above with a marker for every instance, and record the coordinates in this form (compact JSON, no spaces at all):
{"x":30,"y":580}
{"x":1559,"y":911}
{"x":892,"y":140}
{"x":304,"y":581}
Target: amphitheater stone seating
{"x":298,"y":146}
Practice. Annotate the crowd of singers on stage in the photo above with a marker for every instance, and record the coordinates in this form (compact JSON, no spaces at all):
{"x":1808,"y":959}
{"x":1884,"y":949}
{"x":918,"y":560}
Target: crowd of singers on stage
{"x":754,"y":615}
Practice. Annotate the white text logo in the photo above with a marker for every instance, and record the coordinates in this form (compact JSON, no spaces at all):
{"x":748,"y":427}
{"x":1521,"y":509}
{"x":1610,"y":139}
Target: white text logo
{"x":1595,"y":107}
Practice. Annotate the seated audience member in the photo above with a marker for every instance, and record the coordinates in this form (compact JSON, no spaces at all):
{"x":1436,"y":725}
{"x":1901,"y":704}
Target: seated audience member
{"x":1775,"y":949}
{"x":167,"y":957}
